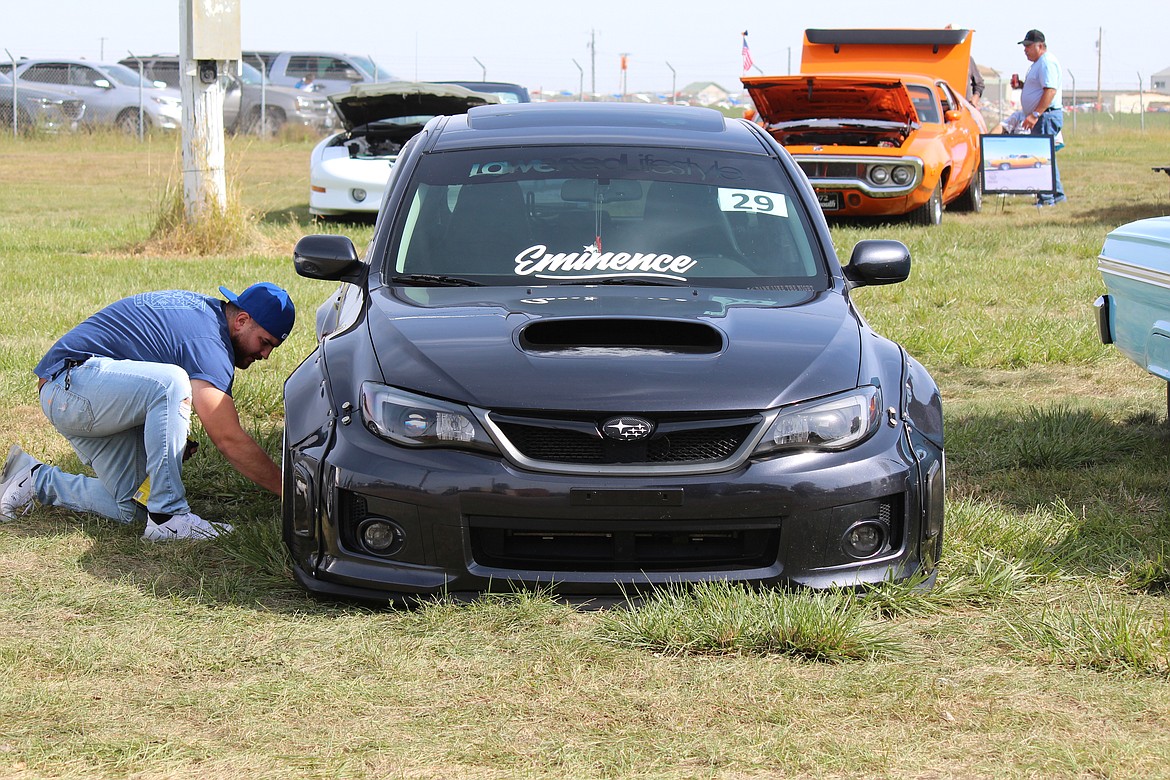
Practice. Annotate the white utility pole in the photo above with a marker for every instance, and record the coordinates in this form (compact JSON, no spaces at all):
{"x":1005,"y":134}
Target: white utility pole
{"x":209,"y":40}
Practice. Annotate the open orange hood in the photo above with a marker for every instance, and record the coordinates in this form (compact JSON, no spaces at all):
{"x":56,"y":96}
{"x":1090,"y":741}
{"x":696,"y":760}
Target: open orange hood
{"x":936,"y":54}
{"x":790,"y":98}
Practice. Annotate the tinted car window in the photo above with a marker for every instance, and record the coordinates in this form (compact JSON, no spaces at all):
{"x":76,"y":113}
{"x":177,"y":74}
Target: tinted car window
{"x":167,"y":72}
{"x":302,"y":66}
{"x":46,"y":74}
{"x":561,"y":215}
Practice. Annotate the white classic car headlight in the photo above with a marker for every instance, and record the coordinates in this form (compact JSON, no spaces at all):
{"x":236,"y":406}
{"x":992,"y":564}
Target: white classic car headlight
{"x":417,"y":421}
{"x":832,"y":423}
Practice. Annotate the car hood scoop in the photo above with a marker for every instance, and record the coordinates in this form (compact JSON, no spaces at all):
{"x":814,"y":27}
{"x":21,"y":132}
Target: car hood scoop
{"x":608,"y":336}
{"x":628,"y":349}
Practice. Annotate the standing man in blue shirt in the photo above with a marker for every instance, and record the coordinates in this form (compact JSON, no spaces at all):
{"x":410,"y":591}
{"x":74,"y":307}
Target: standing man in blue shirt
{"x":121,"y":386}
{"x":1041,"y":101}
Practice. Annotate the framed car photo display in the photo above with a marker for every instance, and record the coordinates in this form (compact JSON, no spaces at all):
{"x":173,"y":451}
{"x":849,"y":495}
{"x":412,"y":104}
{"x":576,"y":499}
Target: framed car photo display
{"x":1018,"y":164}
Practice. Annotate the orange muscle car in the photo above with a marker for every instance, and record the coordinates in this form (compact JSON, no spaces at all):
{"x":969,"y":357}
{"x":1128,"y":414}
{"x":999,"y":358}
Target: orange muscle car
{"x":878,"y":121}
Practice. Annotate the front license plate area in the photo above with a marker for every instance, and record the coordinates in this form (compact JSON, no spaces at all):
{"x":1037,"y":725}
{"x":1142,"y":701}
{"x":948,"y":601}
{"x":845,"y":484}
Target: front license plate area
{"x":830,"y":201}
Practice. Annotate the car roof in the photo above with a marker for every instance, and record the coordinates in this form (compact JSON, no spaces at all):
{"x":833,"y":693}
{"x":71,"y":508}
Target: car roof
{"x":66,"y":61}
{"x":596,"y":123}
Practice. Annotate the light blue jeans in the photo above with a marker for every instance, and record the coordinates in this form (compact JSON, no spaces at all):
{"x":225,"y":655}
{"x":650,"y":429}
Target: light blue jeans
{"x":1050,"y":123}
{"x":126,"y":419}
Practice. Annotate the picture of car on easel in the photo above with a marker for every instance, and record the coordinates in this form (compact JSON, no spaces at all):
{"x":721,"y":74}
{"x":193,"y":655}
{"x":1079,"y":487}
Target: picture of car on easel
{"x":1018,"y":164}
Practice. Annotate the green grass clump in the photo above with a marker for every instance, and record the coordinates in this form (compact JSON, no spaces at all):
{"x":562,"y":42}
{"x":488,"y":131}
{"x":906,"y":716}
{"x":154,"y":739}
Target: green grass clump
{"x":722,"y":617}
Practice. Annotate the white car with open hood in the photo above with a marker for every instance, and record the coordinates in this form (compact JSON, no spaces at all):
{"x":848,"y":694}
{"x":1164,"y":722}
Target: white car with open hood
{"x":348,"y":170}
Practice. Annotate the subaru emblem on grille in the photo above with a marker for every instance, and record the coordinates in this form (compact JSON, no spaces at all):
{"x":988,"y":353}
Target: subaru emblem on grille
{"x":627,"y":428}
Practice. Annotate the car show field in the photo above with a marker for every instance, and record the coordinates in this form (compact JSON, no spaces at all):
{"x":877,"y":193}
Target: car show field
{"x":1043,"y":649}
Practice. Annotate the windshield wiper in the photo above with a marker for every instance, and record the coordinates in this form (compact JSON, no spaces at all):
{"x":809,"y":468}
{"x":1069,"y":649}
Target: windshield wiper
{"x":435,"y":280}
{"x":639,"y":280}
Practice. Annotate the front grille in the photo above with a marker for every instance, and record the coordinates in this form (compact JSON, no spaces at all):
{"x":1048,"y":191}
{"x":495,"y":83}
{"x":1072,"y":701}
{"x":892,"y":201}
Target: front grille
{"x":624,"y":545}
{"x":579,"y":441}
{"x":816,"y":169}
{"x":72,"y":109}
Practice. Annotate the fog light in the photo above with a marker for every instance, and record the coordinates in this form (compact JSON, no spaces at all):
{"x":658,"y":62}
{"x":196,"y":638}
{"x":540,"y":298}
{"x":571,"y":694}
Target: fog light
{"x":853,"y":199}
{"x":380,"y":536}
{"x":358,"y":194}
{"x":864,"y":539}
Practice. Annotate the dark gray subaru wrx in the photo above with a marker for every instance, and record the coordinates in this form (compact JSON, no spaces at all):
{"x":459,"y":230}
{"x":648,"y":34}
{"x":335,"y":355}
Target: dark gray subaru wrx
{"x":598,"y":348}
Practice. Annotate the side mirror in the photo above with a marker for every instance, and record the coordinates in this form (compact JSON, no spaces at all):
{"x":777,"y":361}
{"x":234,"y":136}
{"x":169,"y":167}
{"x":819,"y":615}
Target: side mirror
{"x":954,"y":115}
{"x":103,"y":83}
{"x":328,"y":257}
{"x":878,"y":261}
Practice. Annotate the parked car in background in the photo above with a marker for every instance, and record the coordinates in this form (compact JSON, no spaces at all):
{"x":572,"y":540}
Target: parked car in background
{"x":596,"y":348}
{"x":113,"y":94}
{"x":330,"y":72}
{"x":504,"y":91}
{"x":38,"y":110}
{"x":245,"y":94}
{"x":1134,"y":263}
{"x":348,"y":170}
{"x":878,"y":121}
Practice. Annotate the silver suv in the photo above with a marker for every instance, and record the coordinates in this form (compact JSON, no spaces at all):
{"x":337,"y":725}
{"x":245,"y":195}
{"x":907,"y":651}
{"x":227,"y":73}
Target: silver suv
{"x":113,"y":94}
{"x":249,"y":97}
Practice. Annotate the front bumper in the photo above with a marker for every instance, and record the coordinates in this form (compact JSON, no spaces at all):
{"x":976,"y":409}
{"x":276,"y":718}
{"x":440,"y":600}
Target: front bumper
{"x":844,"y":187}
{"x":471,"y":524}
{"x":340,"y":184}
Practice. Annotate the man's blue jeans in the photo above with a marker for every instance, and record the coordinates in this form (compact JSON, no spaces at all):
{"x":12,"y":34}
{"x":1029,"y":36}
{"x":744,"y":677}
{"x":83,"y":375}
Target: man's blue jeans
{"x":1050,"y":123}
{"x":125,"y":419}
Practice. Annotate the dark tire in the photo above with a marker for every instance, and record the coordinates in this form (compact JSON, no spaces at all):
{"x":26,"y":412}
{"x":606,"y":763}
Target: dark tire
{"x":1037,"y":165}
{"x":1005,"y":166}
{"x":127,"y":122}
{"x":972,"y":198}
{"x":274,"y":122}
{"x":929,"y":213}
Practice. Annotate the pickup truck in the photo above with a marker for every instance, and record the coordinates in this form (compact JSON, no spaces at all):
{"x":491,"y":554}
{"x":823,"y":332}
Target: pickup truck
{"x":325,"y":72}
{"x":1134,"y":313}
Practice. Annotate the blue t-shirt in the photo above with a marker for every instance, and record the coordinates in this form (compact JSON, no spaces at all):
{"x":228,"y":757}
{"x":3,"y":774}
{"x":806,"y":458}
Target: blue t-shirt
{"x":178,"y":327}
{"x":1043,"y":74}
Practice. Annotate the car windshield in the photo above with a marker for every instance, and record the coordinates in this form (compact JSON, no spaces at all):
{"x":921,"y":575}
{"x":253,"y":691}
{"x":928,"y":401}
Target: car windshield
{"x":540,"y":216}
{"x":924,"y":103}
{"x":250,"y":75}
{"x":123,"y":75}
{"x":373,"y":70}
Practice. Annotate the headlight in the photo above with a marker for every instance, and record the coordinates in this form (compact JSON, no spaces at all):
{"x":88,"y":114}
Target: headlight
{"x":903,"y":174}
{"x":879,"y":174}
{"x":833,"y":423}
{"x":169,"y":102}
{"x":416,"y":421}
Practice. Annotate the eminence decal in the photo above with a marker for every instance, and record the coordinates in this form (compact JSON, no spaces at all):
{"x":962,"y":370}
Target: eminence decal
{"x":590,"y":263}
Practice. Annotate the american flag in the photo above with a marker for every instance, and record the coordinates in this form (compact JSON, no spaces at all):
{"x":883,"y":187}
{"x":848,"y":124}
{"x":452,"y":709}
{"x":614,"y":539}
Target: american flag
{"x":747,"y":54}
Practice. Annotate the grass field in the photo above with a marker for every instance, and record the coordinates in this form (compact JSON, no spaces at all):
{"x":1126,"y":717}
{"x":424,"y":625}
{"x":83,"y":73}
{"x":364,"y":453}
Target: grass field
{"x":1043,"y":651}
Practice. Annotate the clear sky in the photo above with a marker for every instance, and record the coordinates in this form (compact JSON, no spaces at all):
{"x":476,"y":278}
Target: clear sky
{"x":562,"y":45}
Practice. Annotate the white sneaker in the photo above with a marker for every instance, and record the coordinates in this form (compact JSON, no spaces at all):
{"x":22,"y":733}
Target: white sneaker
{"x":185,"y":526}
{"x":17,"y":489}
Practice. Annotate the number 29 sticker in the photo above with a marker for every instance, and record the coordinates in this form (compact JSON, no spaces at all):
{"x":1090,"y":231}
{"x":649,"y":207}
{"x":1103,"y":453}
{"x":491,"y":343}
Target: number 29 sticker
{"x":753,"y":202}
